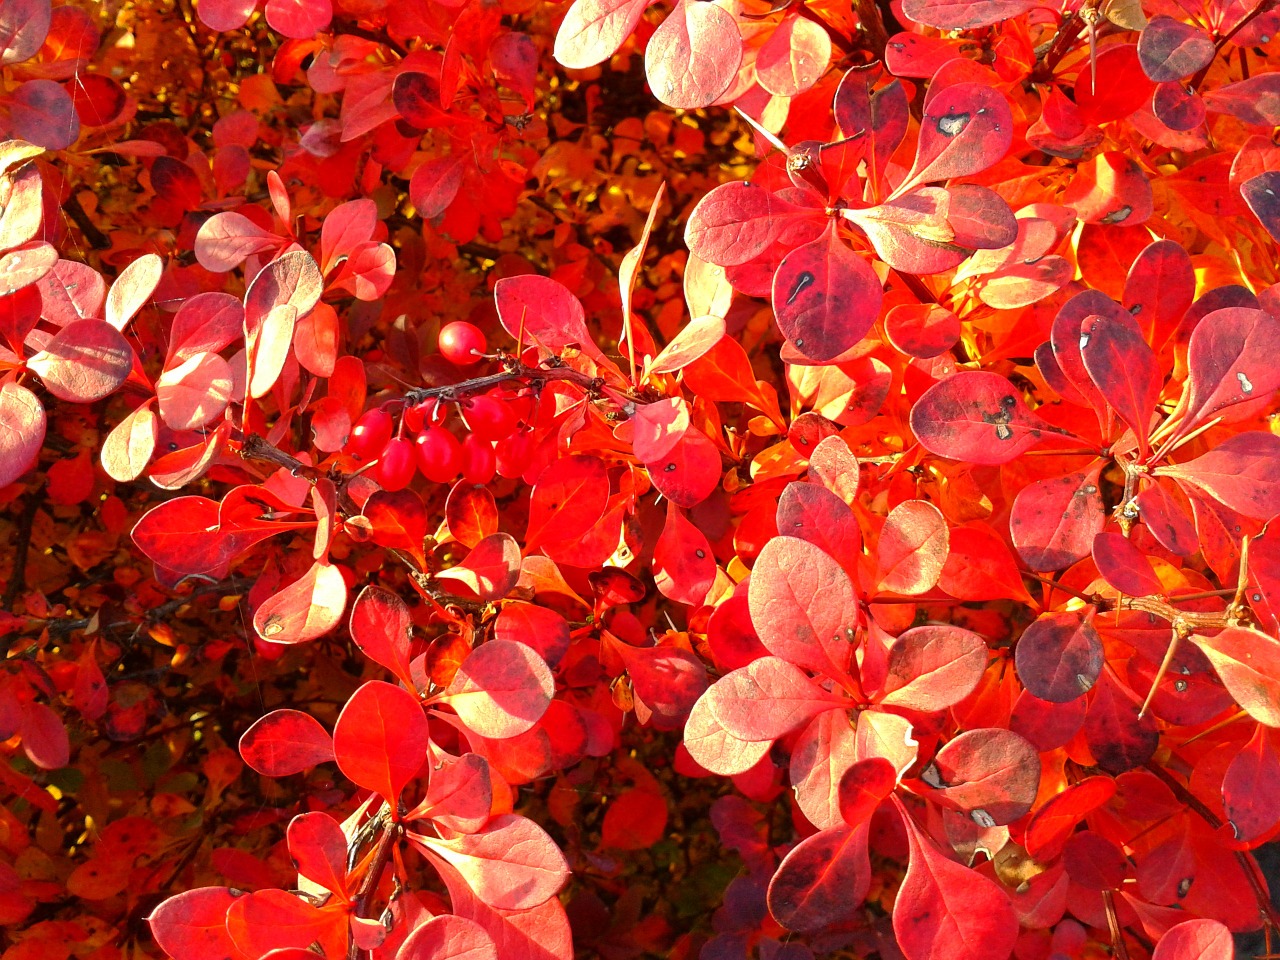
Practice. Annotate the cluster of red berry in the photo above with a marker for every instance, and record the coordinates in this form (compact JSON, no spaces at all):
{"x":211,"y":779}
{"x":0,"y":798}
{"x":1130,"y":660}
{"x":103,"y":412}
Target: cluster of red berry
{"x":497,"y":438}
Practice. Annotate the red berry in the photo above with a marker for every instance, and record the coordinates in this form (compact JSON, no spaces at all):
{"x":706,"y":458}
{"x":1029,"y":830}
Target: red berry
{"x":395,"y":466}
{"x":478,"y":461}
{"x":460,"y":342}
{"x":515,"y":453}
{"x":415,"y":417}
{"x":439,"y":454}
{"x":488,"y":417}
{"x":370,"y":436}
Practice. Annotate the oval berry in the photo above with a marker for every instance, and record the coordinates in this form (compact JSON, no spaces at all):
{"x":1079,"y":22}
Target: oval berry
{"x":460,"y":342}
{"x":370,"y":436}
{"x":479,"y":463}
{"x":439,"y":454}
{"x":515,"y":453}
{"x":488,"y":417}
{"x":395,"y":466}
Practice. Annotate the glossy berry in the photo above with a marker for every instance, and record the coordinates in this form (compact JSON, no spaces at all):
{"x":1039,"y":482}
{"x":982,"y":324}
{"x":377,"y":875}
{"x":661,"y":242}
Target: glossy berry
{"x":417,"y":416}
{"x":439,"y":454}
{"x":370,"y":436}
{"x":479,"y":463}
{"x":489,"y":418}
{"x":395,"y":466}
{"x":515,"y":453}
{"x":460,"y":342}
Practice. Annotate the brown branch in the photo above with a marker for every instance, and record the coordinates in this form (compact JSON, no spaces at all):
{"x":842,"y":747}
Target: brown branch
{"x":22,"y":547}
{"x":97,"y":239}
{"x":391,"y":833}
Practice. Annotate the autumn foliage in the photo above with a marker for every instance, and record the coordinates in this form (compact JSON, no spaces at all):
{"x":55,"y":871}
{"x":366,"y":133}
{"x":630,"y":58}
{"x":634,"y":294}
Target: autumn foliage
{"x":508,"y":480}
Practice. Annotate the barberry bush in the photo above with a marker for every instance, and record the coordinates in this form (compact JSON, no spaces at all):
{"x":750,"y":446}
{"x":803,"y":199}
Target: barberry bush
{"x":508,"y":480}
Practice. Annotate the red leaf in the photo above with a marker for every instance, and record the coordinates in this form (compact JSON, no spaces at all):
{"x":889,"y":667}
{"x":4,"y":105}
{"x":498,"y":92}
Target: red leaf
{"x":381,"y":737}
{"x":593,"y":30}
{"x":825,"y":297}
{"x":933,"y":667}
{"x":22,"y":429}
{"x":1053,"y":823}
{"x":913,"y":547}
{"x":1248,"y":662}
{"x":133,"y":288}
{"x":490,"y":570}
{"x":1059,"y":657}
{"x":922,"y":330}
{"x":546,"y":631}
{"x":24,"y":24}
{"x":836,"y":468}
{"x":1196,"y":940}
{"x":44,"y":737}
{"x":501,"y":690}
{"x":980,"y":566}
{"x":714,"y":748}
{"x":1248,"y":788}
{"x":1054,"y":521}
{"x":42,"y":112}
{"x":225,"y":15}
{"x":697,"y":337}
{"x":319,"y":850}
{"x":694,"y":55}
{"x":683,"y":566}
{"x":309,"y":607}
{"x":205,"y":323}
{"x":634,"y":820}
{"x":863,"y":787}
{"x":298,"y":19}
{"x":1169,"y":49}
{"x":226,"y":240}
{"x":195,"y":392}
{"x":689,"y":471}
{"x":85,"y":361}
{"x":767,"y":699}
{"x":963,"y":14}
{"x":471,"y":513}
{"x":193,"y":925}
{"x":945,"y":911}
{"x":812,"y":512}
{"x":822,"y":754}
{"x":285,"y":742}
{"x":382,"y":628}
{"x":1124,"y":369}
{"x":1117,"y":736}
{"x":966,"y":128}
{"x":736,"y":222}
{"x":794,"y":58}
{"x":448,"y":938}
{"x":1230,"y":360}
{"x":511,"y":864}
{"x":803,"y":605}
{"x":547,"y":312}
{"x":1242,"y":472}
{"x":975,"y":416}
{"x":991,"y":775}
{"x":460,"y":793}
{"x":1124,"y":566}
{"x":823,"y":880}
{"x":568,"y":499}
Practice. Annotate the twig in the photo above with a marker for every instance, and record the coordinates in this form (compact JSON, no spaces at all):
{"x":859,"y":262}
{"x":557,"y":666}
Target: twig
{"x":22,"y":546}
{"x":97,"y":239}
{"x":382,"y":853}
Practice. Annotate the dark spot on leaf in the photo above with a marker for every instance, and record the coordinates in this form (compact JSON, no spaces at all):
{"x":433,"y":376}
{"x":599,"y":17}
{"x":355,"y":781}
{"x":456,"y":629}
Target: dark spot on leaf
{"x":950,"y":124}
{"x":1116,"y":216}
{"x":700,"y":554}
{"x":982,"y":818}
{"x":804,"y":280}
{"x":1184,"y":886}
{"x":1136,"y":309}
{"x":669,"y":467}
{"x":1180,"y":686}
